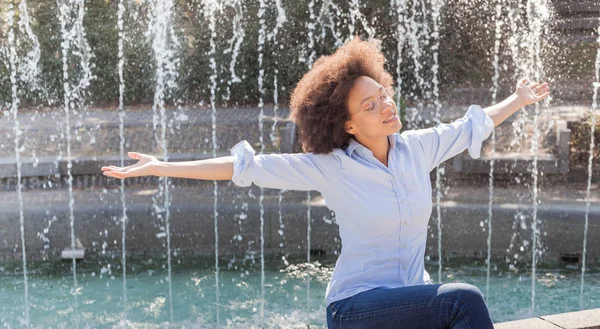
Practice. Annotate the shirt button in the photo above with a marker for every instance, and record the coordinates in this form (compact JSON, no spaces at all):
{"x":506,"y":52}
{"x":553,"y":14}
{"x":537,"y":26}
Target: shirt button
{"x":404,"y":223}
{"x":404,"y":246}
{"x":404,"y":267}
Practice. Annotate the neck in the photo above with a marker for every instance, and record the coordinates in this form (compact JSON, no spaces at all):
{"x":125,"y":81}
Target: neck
{"x":380,"y":147}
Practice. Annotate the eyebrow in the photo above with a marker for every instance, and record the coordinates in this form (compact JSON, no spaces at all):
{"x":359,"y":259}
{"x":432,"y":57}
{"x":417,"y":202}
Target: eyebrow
{"x":380,"y":89}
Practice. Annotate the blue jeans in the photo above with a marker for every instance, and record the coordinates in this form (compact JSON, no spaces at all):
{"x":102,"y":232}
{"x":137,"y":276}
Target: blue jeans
{"x":429,"y":306}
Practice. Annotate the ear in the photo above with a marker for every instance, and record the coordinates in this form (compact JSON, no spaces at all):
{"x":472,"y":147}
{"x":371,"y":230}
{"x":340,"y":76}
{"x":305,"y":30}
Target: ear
{"x":349,"y":128}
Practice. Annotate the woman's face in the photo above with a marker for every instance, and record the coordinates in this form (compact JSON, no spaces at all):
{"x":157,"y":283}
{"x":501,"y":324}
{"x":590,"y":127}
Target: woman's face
{"x":372,"y":110}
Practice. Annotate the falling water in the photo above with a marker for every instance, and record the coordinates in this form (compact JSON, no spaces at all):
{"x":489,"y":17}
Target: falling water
{"x":518,"y":33}
{"x":14,"y":110}
{"x":73,"y":97}
{"x":355,"y":15}
{"x":400,"y":7}
{"x":436,"y":7}
{"x":273,"y":36}
{"x":164,"y":45}
{"x":326,"y":15}
{"x":120,"y":12}
{"x":590,"y":160}
{"x":311,"y":58}
{"x":495,"y":87}
{"x":311,"y":35}
{"x":234,"y":45}
{"x":517,"y":39}
{"x":308,"y":220}
{"x":418,"y":30}
{"x":261,"y":105}
{"x":537,"y":14}
{"x":211,"y":7}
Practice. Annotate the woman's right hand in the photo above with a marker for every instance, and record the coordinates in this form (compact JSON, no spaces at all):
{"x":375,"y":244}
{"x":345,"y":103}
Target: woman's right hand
{"x":147,"y":166}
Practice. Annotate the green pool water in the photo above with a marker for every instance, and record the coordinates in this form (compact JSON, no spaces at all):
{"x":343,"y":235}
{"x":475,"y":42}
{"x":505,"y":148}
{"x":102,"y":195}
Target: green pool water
{"x":293,"y":294}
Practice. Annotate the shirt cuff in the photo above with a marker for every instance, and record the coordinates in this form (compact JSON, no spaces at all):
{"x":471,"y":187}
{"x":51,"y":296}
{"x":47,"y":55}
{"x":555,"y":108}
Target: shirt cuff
{"x":243,"y":156}
{"x":481,"y":125}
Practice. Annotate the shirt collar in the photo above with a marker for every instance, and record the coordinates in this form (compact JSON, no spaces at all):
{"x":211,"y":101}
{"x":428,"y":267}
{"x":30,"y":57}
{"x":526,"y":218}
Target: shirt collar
{"x":354,"y":144}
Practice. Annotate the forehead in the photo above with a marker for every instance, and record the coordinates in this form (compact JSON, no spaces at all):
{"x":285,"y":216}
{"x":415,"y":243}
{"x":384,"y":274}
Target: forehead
{"x":363,"y":86}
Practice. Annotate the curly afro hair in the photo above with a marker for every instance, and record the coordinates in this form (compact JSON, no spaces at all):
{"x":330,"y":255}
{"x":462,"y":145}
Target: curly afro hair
{"x":318,"y":104}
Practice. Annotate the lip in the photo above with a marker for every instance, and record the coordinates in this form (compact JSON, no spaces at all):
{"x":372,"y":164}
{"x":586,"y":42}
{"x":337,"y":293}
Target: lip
{"x":394,"y":118}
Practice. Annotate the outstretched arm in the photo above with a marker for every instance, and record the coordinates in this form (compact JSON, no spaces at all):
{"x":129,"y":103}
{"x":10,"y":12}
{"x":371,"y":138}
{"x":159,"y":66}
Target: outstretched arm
{"x":525,"y":94}
{"x":208,"y":169}
{"x":302,"y":172}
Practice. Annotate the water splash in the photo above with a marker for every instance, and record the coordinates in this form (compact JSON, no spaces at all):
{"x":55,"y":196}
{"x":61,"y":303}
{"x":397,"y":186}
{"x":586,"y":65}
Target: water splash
{"x":261,"y":105}
{"x":234,"y":45}
{"x":400,"y":7}
{"x":279,"y":21}
{"x":14,"y":108}
{"x":311,"y":35}
{"x":538,"y":15}
{"x":418,"y":33}
{"x":499,"y":22}
{"x":124,"y":219}
{"x":73,"y":43}
{"x":593,"y":110}
{"x":211,"y":7}
{"x":164,"y":46}
{"x":328,"y":11}
{"x":355,"y":14}
{"x":311,"y":58}
{"x":517,"y":39}
{"x":308,"y":220}
{"x":436,"y":6}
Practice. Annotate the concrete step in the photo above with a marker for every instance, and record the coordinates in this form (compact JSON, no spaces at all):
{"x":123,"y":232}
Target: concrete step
{"x":586,"y":319}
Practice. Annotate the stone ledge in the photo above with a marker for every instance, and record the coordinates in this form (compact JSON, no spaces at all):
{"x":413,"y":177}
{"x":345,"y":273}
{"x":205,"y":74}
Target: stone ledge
{"x":587,"y":319}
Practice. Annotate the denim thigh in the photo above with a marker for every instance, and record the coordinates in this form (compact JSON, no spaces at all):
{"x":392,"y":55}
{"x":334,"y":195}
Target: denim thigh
{"x":430,"y":306}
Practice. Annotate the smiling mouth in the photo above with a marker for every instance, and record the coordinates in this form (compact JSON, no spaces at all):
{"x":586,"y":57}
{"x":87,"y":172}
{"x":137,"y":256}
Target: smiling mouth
{"x":390,"y":119}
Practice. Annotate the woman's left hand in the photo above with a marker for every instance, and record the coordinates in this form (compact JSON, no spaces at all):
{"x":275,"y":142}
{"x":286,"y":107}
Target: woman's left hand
{"x":529,"y":93}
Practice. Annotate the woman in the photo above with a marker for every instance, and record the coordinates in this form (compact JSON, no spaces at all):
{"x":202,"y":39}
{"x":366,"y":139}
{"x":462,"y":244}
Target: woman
{"x":377,"y":182}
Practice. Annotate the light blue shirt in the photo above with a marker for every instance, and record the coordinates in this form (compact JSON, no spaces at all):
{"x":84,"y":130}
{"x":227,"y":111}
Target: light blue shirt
{"x":382,"y":212}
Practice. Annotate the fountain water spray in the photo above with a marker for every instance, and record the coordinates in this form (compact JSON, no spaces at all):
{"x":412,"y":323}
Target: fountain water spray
{"x":436,"y":6}
{"x":311,"y":34}
{"x":164,"y":46}
{"x":24,"y":70}
{"x":234,"y":45}
{"x":120,"y":12}
{"x":355,"y":15}
{"x":261,"y":105}
{"x":495,"y":87}
{"x":74,"y":43}
{"x":517,"y":39}
{"x":399,"y":6}
{"x":280,"y":20}
{"x":593,"y":114}
{"x":537,"y":13}
{"x":326,"y":15}
{"x":14,"y":108}
{"x":211,"y":7}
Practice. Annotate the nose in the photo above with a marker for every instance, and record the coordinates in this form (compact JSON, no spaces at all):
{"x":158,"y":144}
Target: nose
{"x":388,"y":105}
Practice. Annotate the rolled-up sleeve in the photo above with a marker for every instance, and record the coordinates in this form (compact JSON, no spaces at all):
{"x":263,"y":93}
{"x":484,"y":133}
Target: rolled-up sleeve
{"x":447,"y":140}
{"x":298,"y":171}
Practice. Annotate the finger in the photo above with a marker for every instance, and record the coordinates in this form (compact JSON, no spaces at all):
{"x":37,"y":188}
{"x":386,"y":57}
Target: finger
{"x":534,"y":86}
{"x":539,"y":98}
{"x":134,"y":155}
{"x":113,"y":174}
{"x":524,"y":81}
{"x":110,"y":168}
{"x":541,"y":86}
{"x":542,"y":90}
